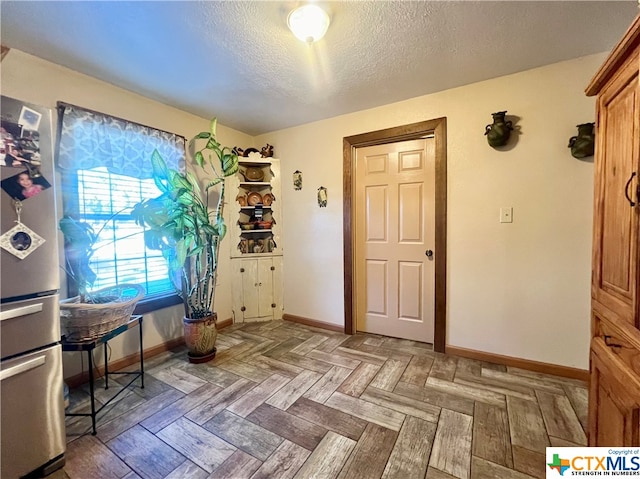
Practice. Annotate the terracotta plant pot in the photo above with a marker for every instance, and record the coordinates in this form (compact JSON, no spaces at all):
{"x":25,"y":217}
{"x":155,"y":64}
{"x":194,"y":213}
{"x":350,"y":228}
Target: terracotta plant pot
{"x":200,"y":337}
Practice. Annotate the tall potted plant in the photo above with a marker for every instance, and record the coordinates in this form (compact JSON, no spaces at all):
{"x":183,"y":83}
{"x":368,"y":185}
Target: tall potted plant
{"x":180,"y":224}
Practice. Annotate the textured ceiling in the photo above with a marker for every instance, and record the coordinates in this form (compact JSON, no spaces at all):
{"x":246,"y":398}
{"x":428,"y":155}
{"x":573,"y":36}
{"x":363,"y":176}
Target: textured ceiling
{"x":239,"y":62}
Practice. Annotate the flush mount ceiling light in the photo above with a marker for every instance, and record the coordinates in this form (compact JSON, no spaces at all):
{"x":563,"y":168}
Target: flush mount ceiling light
{"x":308,"y":23}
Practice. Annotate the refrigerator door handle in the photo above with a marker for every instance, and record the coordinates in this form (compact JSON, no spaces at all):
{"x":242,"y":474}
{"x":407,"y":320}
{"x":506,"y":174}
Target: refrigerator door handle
{"x":23,"y":311}
{"x":22,"y":368}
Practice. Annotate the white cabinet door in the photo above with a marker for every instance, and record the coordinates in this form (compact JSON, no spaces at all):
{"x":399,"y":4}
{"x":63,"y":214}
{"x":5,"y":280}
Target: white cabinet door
{"x":257,"y":288}
{"x":278,"y":296}
{"x":249,"y":297}
{"x":265,"y":287}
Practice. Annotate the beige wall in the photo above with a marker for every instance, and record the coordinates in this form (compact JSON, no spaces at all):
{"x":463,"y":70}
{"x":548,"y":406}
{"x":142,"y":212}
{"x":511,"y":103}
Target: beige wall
{"x":519,"y":289}
{"x":34,"y":80}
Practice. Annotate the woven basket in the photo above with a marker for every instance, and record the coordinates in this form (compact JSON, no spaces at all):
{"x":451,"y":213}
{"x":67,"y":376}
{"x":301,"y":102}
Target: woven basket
{"x":87,"y":321}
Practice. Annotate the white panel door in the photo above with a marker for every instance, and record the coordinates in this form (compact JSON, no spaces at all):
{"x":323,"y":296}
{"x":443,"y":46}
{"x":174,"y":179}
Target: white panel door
{"x":395,"y":223}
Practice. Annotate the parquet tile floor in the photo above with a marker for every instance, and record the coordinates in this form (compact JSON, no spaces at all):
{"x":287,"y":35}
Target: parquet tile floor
{"x":283,"y":400}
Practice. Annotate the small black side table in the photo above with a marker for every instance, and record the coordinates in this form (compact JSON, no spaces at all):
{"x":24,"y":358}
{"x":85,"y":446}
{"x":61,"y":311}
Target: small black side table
{"x":89,"y":346}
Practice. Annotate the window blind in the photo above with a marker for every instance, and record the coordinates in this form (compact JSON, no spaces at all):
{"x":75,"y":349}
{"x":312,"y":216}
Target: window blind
{"x":105,"y":201}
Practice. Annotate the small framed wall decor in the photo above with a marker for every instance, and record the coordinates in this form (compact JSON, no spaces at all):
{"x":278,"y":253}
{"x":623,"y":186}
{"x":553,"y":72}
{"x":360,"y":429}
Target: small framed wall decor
{"x":297,"y":180}
{"x":322,"y":197}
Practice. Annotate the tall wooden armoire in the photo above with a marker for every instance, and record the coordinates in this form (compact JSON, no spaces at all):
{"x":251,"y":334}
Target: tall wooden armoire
{"x":614,"y":396}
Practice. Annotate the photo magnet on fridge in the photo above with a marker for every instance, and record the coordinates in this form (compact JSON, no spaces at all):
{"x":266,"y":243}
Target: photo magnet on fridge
{"x":19,"y":146}
{"x":24,"y":185}
{"x":29,"y":119}
{"x":20,"y":241}
{"x":20,"y":140}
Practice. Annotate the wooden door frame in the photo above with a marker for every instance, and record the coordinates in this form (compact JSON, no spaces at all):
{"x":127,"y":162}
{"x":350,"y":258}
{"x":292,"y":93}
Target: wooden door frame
{"x":437,"y":127}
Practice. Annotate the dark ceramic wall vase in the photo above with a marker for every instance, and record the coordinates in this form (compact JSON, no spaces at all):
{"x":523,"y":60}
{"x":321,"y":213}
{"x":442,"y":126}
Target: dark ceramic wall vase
{"x":583,"y":144}
{"x":499,"y":131}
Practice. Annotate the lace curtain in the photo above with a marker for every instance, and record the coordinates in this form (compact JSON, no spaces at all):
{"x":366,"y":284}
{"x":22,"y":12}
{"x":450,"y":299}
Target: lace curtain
{"x":90,"y":139}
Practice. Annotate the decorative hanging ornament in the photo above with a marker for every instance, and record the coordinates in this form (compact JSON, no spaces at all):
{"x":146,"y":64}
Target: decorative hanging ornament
{"x":582,"y":145}
{"x":499,"y":131}
{"x":297,"y":180}
{"x":20,"y":240}
{"x":322,"y":197}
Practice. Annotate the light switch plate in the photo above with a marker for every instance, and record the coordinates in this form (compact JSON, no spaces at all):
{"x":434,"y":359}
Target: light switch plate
{"x":506,"y":215}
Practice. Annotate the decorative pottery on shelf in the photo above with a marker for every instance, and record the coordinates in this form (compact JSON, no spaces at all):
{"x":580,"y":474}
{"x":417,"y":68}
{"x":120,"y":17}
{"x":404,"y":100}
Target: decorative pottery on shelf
{"x":267,"y":199}
{"x":582,"y":145}
{"x":252,"y":174}
{"x":267,"y":151}
{"x":249,"y":151}
{"x":254,"y":198}
{"x":499,"y":131}
{"x":264,"y":225}
{"x":242,"y":200}
{"x":200,"y":337}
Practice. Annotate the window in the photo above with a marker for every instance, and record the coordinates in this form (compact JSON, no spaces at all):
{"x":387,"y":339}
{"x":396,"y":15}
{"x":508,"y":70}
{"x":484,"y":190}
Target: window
{"x":106,"y":169}
{"x":105,"y":201}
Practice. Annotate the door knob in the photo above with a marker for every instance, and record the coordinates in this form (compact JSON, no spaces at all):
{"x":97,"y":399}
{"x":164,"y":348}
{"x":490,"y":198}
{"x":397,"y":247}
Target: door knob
{"x":429,"y":253}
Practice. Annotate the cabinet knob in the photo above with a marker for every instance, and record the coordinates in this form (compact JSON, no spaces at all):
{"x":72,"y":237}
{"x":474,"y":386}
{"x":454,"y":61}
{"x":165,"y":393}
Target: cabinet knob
{"x":273,"y":268}
{"x":243,"y":309}
{"x":242,"y":270}
{"x":273,"y":305}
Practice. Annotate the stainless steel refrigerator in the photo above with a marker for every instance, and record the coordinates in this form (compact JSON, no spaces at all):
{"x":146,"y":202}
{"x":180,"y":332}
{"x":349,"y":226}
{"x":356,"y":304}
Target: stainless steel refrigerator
{"x":31,"y":382}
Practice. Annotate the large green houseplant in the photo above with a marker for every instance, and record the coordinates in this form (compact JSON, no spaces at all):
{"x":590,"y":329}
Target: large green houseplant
{"x":181,"y":225}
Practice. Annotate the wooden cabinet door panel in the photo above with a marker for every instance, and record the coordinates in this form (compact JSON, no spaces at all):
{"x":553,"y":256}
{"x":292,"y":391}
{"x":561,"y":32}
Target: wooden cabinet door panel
{"x":622,"y":339}
{"x":614,"y":396}
{"x":614,"y":401}
{"x":615,"y":220}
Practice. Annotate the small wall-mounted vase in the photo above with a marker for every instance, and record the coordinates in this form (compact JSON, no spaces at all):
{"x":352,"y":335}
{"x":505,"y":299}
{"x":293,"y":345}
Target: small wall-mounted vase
{"x":297,"y":180}
{"x":322,"y":197}
{"x":583,"y":144}
{"x":499,"y":131}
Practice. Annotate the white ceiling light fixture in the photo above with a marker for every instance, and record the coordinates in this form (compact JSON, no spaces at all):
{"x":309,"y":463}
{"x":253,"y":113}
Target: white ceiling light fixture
{"x":308,"y":23}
